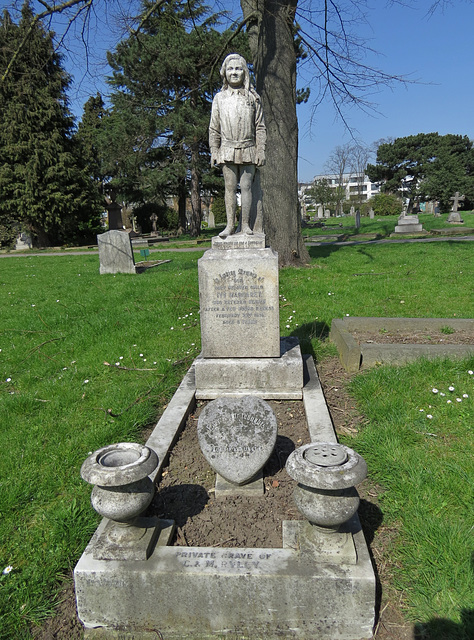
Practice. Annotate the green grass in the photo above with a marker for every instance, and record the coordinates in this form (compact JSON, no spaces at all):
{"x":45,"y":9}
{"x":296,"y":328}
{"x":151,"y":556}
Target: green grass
{"x":383,"y":226}
{"x":63,"y":328}
{"x":418,"y":446}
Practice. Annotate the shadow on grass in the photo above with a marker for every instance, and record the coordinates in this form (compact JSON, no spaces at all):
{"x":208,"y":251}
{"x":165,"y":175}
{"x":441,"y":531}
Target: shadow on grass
{"x":308,"y":332}
{"x":443,"y":629}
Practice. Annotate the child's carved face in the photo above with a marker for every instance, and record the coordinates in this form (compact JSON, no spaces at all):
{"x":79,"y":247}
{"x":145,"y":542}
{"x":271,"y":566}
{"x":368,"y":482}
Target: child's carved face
{"x":234,"y":73}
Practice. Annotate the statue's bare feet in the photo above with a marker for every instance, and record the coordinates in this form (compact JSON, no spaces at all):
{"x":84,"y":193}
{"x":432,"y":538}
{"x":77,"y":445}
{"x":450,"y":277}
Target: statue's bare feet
{"x":247,"y":230}
{"x":228,"y":231}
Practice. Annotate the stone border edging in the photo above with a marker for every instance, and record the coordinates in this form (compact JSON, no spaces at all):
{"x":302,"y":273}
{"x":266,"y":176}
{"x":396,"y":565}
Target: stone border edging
{"x":353,"y":356}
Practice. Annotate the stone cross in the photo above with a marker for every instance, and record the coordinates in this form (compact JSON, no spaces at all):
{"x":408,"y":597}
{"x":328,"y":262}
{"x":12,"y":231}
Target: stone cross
{"x":456,"y":199}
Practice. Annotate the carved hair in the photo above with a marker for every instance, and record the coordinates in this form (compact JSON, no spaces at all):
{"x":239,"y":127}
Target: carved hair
{"x":236,"y":56}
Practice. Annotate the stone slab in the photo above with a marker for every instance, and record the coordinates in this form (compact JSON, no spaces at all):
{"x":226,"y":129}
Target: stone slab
{"x":367,"y":355}
{"x":239,"y":241}
{"x":408,"y":228}
{"x":328,"y":548}
{"x":252,"y":489}
{"x":269,"y":378}
{"x":318,"y":418}
{"x":237,"y":436}
{"x":136,"y":542}
{"x":115,"y":252}
{"x":185,"y":593}
{"x":201,"y":592}
{"x":239,"y":302}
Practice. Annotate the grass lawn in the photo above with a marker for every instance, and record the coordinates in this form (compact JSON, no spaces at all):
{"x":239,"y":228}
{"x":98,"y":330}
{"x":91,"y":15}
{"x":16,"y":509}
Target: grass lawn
{"x":89,"y":360}
{"x":383,"y":226}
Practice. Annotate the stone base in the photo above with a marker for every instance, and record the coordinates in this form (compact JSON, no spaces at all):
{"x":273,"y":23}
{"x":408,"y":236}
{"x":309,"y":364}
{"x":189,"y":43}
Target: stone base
{"x":408,"y":228}
{"x":224,"y":488}
{"x":205,"y":592}
{"x":269,"y":378}
{"x":329,"y":548}
{"x":119,"y":542}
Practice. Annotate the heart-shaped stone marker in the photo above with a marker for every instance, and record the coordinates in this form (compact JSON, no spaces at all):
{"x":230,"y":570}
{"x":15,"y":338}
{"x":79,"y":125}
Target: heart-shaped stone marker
{"x":237,"y":436}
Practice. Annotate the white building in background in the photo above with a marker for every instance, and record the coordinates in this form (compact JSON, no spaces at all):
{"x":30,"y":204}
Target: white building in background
{"x":356,"y":189}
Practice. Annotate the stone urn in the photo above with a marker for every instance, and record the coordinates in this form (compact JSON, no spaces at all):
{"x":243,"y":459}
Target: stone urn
{"x":326,"y":473}
{"x":119,"y":472}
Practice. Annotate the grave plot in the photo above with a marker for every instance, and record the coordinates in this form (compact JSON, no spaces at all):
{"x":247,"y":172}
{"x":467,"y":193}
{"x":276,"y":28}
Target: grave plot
{"x":366,"y":342}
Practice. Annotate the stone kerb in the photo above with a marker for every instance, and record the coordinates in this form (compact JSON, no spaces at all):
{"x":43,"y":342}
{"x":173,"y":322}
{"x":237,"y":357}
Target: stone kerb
{"x":205,"y":592}
{"x":353,"y":356}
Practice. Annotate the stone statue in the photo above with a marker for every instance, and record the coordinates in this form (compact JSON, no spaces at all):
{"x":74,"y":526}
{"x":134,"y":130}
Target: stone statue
{"x":237,"y":138}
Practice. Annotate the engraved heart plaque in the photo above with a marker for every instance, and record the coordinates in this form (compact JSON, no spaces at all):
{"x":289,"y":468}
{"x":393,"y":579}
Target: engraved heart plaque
{"x":237,"y":436}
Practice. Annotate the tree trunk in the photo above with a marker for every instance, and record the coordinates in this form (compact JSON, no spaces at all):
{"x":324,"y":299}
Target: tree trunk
{"x":195,"y":228}
{"x":195,"y":177}
{"x":182,"y":196}
{"x":274,"y":61}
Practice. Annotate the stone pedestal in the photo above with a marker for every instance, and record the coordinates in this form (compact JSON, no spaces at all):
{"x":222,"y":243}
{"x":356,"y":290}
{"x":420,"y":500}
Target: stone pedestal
{"x":238,"y":292}
{"x":408,"y":224}
{"x":455,"y":218}
{"x":269,"y":378}
{"x":242,"y":353}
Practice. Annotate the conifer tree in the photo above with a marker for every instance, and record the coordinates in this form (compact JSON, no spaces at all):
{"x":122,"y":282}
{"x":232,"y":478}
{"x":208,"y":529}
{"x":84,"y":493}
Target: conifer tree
{"x":163,"y":92}
{"x":43,"y":186}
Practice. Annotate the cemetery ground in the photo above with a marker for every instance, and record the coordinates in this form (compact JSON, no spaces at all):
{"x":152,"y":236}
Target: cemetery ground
{"x":89,"y":360}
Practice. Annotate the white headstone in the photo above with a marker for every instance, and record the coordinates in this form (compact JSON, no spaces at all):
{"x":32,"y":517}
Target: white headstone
{"x":115,"y":252}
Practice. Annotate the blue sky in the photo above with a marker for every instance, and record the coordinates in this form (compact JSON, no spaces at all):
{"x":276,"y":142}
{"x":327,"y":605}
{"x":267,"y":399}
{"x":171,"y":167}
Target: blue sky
{"x":434,"y":52}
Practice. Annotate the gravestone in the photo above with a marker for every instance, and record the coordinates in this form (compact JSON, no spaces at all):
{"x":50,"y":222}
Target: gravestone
{"x":320,"y":212}
{"x":238,"y":291}
{"x":237,"y":436}
{"x":114,"y":211}
{"x":115,"y":252}
{"x":455,"y":217}
{"x":23,"y":242}
{"x":357,"y":219}
{"x":371,"y":213}
{"x":408,"y":224}
{"x":327,"y":213}
{"x":210,"y":220}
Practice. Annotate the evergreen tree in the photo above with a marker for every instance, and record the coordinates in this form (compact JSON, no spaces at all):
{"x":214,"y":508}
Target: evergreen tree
{"x":43,"y":187}
{"x":427,"y":166}
{"x":162,"y":101}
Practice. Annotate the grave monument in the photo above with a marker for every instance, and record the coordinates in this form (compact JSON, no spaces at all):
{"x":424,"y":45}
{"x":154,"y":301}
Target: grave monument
{"x":455,"y":217}
{"x":320,"y":582}
{"x":408,"y":224}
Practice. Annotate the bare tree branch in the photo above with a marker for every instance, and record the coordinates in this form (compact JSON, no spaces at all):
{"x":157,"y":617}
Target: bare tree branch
{"x":49,"y":10}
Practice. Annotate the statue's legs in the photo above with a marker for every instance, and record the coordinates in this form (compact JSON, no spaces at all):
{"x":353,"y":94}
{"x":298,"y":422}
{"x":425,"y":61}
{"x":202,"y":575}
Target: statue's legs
{"x":231,"y":176}
{"x":247,"y":172}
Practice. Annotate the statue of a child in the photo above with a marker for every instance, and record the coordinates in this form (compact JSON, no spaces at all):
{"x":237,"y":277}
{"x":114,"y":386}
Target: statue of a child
{"x":237,"y":138}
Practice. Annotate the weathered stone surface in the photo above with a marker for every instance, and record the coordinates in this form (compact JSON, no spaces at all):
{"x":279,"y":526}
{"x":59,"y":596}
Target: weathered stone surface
{"x":408,"y":224}
{"x":205,"y":592}
{"x":301,"y":593}
{"x":238,"y":293}
{"x":237,"y":436}
{"x":269,"y":378}
{"x":115,"y":252}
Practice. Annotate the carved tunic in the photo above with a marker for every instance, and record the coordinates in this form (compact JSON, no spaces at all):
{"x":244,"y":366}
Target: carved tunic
{"x":237,"y":128}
